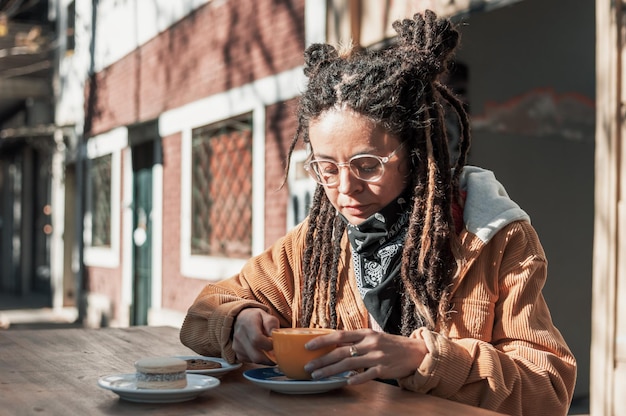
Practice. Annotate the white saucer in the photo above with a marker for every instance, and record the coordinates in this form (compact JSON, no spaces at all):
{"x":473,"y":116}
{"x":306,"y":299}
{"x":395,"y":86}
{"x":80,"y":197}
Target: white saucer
{"x":215,"y":372}
{"x":272,"y":378}
{"x":124,"y":385}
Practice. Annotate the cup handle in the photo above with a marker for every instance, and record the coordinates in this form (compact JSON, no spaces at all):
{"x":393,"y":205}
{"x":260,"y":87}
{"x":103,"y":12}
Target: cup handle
{"x":270,"y":355}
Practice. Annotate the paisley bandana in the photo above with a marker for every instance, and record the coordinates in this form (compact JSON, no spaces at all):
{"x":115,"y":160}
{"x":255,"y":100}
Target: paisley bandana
{"x":377,"y":256}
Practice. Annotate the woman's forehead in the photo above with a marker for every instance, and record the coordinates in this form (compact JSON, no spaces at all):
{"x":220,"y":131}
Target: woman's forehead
{"x":336,"y":127}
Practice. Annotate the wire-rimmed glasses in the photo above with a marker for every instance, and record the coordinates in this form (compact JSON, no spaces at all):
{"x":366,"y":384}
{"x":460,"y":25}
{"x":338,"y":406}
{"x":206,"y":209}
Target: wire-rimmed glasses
{"x":368,"y":168}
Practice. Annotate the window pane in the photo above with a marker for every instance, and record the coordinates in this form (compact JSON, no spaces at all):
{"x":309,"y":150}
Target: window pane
{"x":100,"y":176}
{"x":221,"y":206}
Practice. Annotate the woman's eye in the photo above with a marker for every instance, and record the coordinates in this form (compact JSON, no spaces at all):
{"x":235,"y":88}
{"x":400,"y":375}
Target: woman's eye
{"x":328,"y":168}
{"x":366,"y":164}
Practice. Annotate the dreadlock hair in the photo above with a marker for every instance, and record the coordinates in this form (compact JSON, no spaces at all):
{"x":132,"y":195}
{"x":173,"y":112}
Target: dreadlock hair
{"x":399,"y":89}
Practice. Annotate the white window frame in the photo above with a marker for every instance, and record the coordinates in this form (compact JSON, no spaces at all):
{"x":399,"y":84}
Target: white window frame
{"x":298,"y":188}
{"x":251,"y":98}
{"x":215,"y":267}
{"x":104,"y":144}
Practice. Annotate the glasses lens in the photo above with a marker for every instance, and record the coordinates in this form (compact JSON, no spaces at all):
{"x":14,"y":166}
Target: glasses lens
{"x":326,"y":172}
{"x":367,"y":168}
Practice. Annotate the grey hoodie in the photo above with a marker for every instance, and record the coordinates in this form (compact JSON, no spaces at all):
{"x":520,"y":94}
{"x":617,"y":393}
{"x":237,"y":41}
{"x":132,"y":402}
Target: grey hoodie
{"x":488,"y":207}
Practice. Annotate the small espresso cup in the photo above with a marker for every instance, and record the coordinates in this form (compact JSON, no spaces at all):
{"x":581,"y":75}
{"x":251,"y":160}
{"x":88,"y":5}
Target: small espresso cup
{"x":289,"y":352}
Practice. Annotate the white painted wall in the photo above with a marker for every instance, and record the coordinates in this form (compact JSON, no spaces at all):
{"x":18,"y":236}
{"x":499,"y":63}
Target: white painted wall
{"x":121,"y":26}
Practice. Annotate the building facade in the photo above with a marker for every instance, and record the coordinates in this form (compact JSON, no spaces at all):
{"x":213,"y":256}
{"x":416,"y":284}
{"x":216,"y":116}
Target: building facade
{"x":187,"y":114}
{"x":163,"y":160}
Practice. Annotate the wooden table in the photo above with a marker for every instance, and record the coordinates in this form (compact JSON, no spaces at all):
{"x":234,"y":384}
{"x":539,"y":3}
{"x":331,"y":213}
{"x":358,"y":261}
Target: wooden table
{"x":55,"y":372}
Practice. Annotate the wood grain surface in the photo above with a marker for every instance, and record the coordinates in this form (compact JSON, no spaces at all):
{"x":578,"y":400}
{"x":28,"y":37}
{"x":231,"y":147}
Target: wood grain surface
{"x":55,"y":372}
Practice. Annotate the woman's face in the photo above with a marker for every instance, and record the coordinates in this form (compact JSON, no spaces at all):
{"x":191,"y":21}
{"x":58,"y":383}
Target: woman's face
{"x":339,"y":135}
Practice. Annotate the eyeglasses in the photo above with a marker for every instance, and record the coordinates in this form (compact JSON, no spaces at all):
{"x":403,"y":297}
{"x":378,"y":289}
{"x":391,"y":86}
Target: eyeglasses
{"x":368,"y":168}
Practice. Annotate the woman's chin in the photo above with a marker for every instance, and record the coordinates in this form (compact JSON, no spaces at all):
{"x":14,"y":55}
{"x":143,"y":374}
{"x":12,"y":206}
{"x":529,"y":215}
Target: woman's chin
{"x":355,"y":219}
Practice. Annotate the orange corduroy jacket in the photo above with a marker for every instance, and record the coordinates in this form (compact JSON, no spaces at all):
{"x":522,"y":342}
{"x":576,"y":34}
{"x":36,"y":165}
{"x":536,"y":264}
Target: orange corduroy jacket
{"x":499,"y":350}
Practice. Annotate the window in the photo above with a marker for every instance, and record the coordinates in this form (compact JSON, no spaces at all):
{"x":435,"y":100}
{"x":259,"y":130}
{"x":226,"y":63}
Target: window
{"x":70,"y":30}
{"x":100,"y":201}
{"x":101,"y":232}
{"x":221,"y":189}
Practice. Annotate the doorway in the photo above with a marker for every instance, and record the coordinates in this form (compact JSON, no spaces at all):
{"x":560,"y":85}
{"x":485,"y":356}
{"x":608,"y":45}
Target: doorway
{"x":145,"y":146}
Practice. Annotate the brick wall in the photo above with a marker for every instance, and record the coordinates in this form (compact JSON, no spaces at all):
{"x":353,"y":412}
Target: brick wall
{"x":281,"y":124}
{"x":178,"y":291}
{"x":222,"y":45}
{"x":107,"y":283}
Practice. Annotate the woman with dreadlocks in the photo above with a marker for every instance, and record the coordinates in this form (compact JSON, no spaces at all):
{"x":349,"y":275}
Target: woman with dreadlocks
{"x":430,"y":273}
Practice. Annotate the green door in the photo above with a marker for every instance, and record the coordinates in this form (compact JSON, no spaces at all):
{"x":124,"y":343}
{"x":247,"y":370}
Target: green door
{"x":142,"y":232}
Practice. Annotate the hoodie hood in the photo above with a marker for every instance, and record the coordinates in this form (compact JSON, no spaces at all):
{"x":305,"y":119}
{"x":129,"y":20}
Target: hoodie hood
{"x":488,"y":207}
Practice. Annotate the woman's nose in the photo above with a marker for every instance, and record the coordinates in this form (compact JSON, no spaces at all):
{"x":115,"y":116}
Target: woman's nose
{"x":348,"y":182}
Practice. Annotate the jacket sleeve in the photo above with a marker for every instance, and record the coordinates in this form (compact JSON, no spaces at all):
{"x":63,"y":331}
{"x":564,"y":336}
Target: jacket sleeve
{"x":503,"y":351}
{"x":267,"y":281}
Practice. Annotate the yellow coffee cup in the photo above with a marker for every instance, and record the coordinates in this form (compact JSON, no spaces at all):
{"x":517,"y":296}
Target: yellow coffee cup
{"x":289,"y":352}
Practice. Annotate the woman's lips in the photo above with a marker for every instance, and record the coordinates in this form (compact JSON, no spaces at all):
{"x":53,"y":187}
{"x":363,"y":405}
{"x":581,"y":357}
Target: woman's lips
{"x":354,"y":210}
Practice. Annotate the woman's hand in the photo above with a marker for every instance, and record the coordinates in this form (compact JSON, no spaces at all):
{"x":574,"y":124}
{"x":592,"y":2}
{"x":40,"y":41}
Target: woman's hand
{"x":251,"y":335}
{"x":382,"y":355}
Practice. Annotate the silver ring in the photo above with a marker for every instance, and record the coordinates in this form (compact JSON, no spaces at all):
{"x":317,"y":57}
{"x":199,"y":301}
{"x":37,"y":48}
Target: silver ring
{"x":353,"y":351}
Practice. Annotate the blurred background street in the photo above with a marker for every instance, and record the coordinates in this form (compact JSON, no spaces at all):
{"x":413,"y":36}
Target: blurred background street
{"x":31,"y":312}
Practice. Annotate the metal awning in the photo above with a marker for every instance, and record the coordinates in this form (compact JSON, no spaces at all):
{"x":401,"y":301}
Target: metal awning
{"x":45,"y":130}
{"x":27,"y":44}
{"x":39,"y":137}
